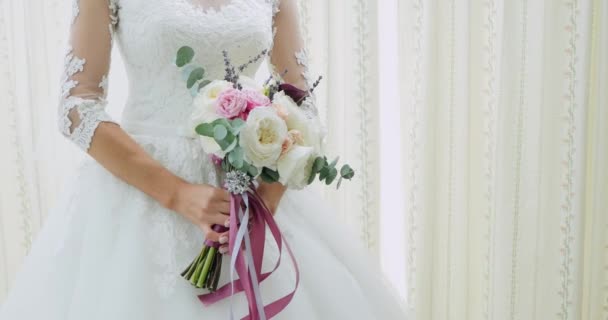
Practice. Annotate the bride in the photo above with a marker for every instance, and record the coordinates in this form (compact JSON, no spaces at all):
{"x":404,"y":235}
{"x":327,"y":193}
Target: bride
{"x":139,"y":209}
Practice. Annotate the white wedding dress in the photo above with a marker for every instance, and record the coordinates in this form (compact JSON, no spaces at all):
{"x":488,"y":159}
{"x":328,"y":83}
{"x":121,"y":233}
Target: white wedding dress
{"x":108,"y":251}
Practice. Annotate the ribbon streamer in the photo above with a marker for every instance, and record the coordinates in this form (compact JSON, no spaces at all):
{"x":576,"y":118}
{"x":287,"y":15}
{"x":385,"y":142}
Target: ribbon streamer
{"x":247,"y":249}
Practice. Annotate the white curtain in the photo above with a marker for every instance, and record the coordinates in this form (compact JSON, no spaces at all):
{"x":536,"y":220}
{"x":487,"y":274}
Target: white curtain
{"x":505,"y":146}
{"x":478,"y":130}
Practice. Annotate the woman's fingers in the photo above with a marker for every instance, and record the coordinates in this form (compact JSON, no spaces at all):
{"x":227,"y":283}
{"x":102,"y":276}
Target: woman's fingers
{"x":224,"y":249}
{"x":210,"y":234}
{"x":223,"y":208}
{"x":222,"y":195}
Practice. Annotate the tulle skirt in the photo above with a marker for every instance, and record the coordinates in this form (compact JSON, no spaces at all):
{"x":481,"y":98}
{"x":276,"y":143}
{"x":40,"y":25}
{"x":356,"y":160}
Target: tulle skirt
{"x":108,"y":251}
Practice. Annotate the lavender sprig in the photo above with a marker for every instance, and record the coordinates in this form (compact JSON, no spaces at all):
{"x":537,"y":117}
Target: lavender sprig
{"x":253,"y":60}
{"x":231,"y":74}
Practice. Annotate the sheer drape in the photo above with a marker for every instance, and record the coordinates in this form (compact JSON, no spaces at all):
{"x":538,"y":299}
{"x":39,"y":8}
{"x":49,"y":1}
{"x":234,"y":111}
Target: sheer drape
{"x":35,"y":158}
{"x":505,"y":145}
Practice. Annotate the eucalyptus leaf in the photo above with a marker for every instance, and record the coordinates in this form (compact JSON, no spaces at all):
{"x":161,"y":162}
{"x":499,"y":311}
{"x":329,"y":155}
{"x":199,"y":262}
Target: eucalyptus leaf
{"x":187,"y":70}
{"x":205,"y":129}
{"x":252,"y":170}
{"x":184,"y":56}
{"x":245,"y":167}
{"x":194,"y":92}
{"x":339,"y":183}
{"x":203,"y":84}
{"x":323,"y":173}
{"x":196,"y":75}
{"x":347,"y":172}
{"x":318,"y":164}
{"x":270,"y":176}
{"x":331,"y":176}
{"x":237,"y":125}
{"x":229,"y":143}
{"x":219,"y":132}
{"x":222,"y":121}
{"x":236,"y":157}
{"x":312,"y":177}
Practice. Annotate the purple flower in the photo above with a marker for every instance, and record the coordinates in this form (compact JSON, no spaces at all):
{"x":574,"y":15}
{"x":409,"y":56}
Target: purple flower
{"x":298,"y":95}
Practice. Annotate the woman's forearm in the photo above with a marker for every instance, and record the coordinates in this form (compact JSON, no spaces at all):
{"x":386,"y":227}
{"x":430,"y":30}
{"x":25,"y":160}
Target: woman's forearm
{"x":271,"y":193}
{"x":115,"y":150}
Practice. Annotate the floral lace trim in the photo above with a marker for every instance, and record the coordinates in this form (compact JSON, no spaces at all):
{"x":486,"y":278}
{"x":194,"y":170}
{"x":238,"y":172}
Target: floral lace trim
{"x":104,"y":85}
{"x":75,"y":11}
{"x":72,"y":65}
{"x":275,"y":6}
{"x":90,"y":112}
{"x":302,"y":59}
{"x":309,"y":105}
{"x":113,"y":5}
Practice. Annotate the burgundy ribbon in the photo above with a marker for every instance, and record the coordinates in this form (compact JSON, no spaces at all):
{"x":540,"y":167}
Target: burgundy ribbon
{"x":261,"y":217}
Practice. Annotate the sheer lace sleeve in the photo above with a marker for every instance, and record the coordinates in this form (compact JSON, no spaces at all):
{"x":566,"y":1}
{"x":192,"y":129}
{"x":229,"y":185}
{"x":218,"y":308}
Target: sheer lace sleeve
{"x":289,"y":57}
{"x":85,"y":75}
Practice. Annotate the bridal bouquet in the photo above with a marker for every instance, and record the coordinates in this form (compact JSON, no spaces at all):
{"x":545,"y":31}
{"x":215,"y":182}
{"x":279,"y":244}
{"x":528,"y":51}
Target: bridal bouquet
{"x":253,"y":132}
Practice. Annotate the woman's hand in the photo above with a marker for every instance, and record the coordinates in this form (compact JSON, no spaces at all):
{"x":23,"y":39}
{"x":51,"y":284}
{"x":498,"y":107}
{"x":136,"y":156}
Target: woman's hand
{"x":204,"y":206}
{"x":271,"y":194}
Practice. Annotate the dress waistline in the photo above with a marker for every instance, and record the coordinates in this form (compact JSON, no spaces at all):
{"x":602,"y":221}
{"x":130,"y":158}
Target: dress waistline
{"x":157,"y":130}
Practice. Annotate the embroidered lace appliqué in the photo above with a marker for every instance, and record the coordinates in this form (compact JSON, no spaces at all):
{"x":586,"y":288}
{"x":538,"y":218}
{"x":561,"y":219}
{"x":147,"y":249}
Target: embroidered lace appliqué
{"x":104,"y":85}
{"x":89,"y":112}
{"x":75,"y":10}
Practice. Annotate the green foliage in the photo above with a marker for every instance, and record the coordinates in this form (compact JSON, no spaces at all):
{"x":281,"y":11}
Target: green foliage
{"x":347,"y":172}
{"x":331,"y":175}
{"x":318,"y":165}
{"x":237,"y":125}
{"x":236,"y":157}
{"x":205,"y":129}
{"x":220,"y":132}
{"x":203,"y":83}
{"x":269,"y":176}
{"x":253,"y":171}
{"x":328,"y":172}
{"x":196,"y":75}
{"x":184,"y":56}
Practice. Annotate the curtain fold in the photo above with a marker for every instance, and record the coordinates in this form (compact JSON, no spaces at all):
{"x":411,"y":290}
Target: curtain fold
{"x":504,"y":114}
{"x":342,"y":37}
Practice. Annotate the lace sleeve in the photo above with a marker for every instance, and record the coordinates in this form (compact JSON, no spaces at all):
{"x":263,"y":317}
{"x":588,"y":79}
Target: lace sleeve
{"x":85,"y":75}
{"x":289,"y":57}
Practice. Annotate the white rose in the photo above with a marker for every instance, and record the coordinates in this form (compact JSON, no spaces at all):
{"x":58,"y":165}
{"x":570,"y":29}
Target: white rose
{"x":203,"y":105}
{"x":295,"y":167}
{"x":251,"y":84}
{"x":204,"y":111}
{"x":262,"y":137}
{"x":310,"y":129}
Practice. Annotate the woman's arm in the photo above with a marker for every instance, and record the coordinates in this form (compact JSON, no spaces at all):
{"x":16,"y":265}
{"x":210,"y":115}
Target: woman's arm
{"x":288,"y":54}
{"x":83,"y":120}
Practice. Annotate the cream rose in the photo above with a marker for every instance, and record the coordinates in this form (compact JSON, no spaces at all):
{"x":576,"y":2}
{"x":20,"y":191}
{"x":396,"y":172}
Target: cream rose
{"x":296,"y":119}
{"x":204,"y":111}
{"x":262,"y":137}
{"x":295,"y":167}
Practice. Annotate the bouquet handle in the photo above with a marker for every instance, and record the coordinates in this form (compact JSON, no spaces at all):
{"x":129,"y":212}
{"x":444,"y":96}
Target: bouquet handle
{"x":247,"y":252}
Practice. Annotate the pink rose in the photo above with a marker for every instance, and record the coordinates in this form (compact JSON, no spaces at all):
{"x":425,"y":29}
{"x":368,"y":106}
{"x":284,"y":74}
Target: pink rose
{"x":231,"y":103}
{"x":254,"y":99}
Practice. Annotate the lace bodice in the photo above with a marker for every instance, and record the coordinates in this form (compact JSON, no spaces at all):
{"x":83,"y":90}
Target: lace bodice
{"x":148,"y":33}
